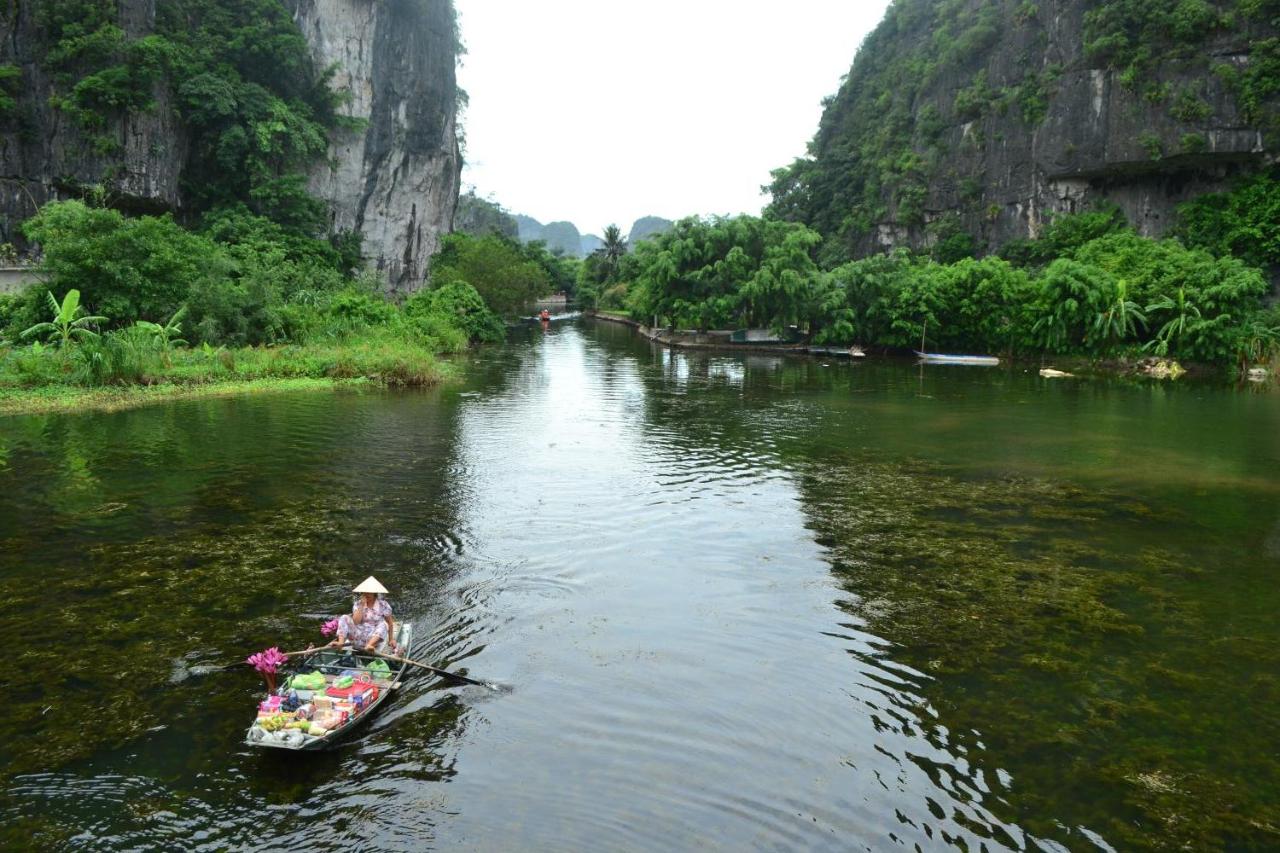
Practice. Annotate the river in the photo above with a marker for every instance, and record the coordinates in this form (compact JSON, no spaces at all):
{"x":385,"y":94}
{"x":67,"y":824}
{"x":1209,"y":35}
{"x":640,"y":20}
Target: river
{"x":739,"y":602}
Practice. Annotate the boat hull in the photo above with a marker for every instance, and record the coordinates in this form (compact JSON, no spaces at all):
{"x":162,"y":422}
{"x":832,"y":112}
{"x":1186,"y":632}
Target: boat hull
{"x":943,"y":358}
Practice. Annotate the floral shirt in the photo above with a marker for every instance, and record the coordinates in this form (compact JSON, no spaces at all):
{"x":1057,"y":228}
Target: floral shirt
{"x":380,"y":610}
{"x":373,"y":625}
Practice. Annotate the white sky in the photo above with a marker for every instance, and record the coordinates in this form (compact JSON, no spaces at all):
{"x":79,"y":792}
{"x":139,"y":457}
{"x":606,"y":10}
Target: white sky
{"x":597,"y":111}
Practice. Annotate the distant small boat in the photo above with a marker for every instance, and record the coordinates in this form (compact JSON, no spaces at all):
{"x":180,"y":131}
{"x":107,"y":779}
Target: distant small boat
{"x":944,"y":358}
{"x":552,"y":318}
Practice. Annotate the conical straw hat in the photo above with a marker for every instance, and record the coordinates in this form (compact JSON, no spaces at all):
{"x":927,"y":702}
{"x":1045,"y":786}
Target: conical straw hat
{"x":371,"y":584}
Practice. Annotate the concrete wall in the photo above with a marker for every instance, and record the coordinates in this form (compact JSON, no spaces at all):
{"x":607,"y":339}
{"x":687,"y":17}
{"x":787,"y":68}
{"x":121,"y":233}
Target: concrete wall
{"x":13,"y":279}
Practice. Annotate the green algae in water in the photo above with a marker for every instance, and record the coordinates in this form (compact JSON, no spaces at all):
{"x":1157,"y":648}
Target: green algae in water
{"x":171,"y":567}
{"x":1079,"y":573}
{"x":1086,"y":669}
{"x":110,"y":644}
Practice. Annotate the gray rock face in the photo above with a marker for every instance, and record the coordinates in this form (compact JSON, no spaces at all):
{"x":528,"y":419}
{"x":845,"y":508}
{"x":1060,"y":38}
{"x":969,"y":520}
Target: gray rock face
{"x":395,"y":181}
{"x":1056,"y":131}
{"x":44,"y":154}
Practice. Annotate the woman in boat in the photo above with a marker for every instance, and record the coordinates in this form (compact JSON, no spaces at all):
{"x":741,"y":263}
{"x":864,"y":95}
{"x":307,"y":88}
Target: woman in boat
{"x":370,"y":623}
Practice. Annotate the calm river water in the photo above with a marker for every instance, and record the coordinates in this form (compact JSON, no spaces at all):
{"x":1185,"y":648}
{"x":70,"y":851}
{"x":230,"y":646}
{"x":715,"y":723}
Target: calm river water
{"x":741,"y":602}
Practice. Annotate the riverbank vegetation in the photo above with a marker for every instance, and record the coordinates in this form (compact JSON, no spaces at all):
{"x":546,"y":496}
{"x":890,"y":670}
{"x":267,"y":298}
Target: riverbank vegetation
{"x":142,"y":301}
{"x":1088,"y":286}
{"x":247,"y":283}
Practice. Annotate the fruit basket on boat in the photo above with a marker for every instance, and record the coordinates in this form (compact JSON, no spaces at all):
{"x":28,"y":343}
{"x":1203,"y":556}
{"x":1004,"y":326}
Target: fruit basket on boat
{"x":328,"y":693}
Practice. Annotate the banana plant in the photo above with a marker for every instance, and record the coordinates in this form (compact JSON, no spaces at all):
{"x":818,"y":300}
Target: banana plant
{"x":1120,"y":318}
{"x":1184,"y":316}
{"x":66,"y":324}
{"x":166,"y":336}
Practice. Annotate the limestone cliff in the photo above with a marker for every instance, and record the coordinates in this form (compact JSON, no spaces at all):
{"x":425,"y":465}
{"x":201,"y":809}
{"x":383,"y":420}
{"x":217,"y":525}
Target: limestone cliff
{"x":393,"y":180}
{"x":391,"y":171}
{"x":561,"y":236}
{"x":987,"y":117}
{"x":646,"y":227}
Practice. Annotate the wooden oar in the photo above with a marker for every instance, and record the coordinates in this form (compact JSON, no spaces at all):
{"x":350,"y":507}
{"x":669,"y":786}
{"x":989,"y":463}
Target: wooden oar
{"x":246,"y":663}
{"x":441,"y":672}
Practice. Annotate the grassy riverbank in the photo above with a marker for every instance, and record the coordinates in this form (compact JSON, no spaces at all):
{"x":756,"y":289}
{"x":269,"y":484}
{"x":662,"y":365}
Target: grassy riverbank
{"x":60,"y":399}
{"x":41,"y":381}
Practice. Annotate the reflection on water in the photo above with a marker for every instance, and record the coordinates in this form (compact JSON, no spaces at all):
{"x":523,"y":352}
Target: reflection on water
{"x":743,"y":602}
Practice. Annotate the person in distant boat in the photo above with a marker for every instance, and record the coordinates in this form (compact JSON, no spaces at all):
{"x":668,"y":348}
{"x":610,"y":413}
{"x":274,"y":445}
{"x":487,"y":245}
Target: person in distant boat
{"x":370,"y":623}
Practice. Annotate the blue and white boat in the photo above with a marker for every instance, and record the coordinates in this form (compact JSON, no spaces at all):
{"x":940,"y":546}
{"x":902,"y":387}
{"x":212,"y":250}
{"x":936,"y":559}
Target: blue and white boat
{"x":944,"y":358}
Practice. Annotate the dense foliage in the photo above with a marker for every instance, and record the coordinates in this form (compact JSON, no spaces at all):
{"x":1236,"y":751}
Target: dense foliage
{"x":601,"y":270}
{"x":1244,"y":222}
{"x":743,"y":271}
{"x":507,"y":275}
{"x":1090,"y":286}
{"x":253,"y":107}
{"x":240,"y":281}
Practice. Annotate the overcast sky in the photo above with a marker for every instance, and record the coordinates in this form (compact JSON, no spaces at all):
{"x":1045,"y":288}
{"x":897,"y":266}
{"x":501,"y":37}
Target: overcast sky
{"x":597,"y":111}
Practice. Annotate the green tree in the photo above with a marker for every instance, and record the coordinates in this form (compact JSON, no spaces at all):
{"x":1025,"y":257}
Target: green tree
{"x":130,"y":268}
{"x":615,"y":246}
{"x":495,"y":266}
{"x":1244,"y":222}
{"x":463,"y":306}
{"x":165,"y":335}
{"x":1071,"y":295}
{"x":868,"y":287}
{"x":730,"y":272}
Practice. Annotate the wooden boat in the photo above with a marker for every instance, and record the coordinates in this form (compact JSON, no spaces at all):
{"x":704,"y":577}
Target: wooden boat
{"x":332,"y":663}
{"x":943,"y":358}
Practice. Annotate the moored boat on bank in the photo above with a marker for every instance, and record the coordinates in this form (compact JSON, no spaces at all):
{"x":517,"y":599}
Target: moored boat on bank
{"x":945,"y":358}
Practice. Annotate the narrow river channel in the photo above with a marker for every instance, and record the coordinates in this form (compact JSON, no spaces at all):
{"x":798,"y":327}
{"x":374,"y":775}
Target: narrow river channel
{"x":741,"y":602}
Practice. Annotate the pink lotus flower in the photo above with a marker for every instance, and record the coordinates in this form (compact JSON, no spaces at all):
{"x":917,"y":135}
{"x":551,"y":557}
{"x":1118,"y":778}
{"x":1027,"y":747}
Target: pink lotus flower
{"x":329,"y":628}
{"x":267,"y":661}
